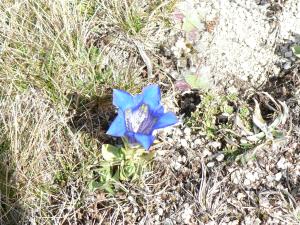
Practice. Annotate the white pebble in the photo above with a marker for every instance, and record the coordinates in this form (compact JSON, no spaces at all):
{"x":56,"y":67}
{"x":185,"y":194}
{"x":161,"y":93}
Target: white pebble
{"x":156,"y":217}
{"x":183,"y":159}
{"x":281,"y":164}
{"x":206,"y":152}
{"x":187,"y":131}
{"x":240,"y":196}
{"x":288,"y":54}
{"x":278,"y":176}
{"x":187,"y":214}
{"x":210,"y":164}
{"x":270,"y":178}
{"x":287,"y":65}
{"x":247,"y":182}
{"x":215,"y":144}
{"x":184,"y":143}
{"x":177,"y":165}
{"x":198,"y":142}
{"x":251,"y":176}
{"x":160,"y":211}
{"x":220,"y":157}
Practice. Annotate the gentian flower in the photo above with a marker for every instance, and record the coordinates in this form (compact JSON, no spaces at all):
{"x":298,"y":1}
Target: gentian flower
{"x":139,"y":115}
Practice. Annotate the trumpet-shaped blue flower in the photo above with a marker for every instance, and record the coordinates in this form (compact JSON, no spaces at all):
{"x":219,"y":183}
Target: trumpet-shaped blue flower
{"x":139,"y":115}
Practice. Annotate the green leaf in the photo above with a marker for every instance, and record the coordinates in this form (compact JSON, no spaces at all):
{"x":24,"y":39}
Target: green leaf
{"x":197,"y":82}
{"x":259,"y":121}
{"x":148,"y":156}
{"x":94,"y":185}
{"x":296,"y":50}
{"x":129,"y":170}
{"x":111,"y":153}
{"x":191,"y":23}
{"x":107,"y":186}
{"x":191,"y":20}
{"x":278,"y":134}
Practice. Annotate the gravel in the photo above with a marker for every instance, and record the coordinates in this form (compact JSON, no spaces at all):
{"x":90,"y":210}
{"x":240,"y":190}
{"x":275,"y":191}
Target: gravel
{"x":193,"y":182}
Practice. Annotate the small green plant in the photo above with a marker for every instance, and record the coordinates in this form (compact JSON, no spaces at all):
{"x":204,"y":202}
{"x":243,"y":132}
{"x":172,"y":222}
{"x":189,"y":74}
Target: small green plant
{"x":120,"y":164}
{"x":296,"y":50}
{"x":211,"y":109}
{"x":197,"y":82}
{"x":239,"y":125}
{"x":133,"y":23}
{"x":188,"y":19}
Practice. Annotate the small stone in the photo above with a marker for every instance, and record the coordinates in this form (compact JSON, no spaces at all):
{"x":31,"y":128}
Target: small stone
{"x":131,"y":199}
{"x":231,"y":82}
{"x":177,"y":165}
{"x":270,"y":178}
{"x":278,"y":176}
{"x":215,"y":144}
{"x":167,"y":131}
{"x":206,"y":152}
{"x":210,"y":164}
{"x":247,"y":182}
{"x":187,"y":131}
{"x":183,"y":159}
{"x":184,"y":143}
{"x":234,"y":222}
{"x":156,"y":217}
{"x":198,"y":142}
{"x":220,"y":157}
{"x":287,"y":65}
{"x":288,"y":54}
{"x":187,"y":214}
{"x":276,"y":69}
{"x":168,"y":222}
{"x":281,"y":164}
{"x":257,"y":221}
{"x":180,"y":43}
{"x":240,"y":196}
{"x":264,"y":202}
{"x":232,"y":90}
{"x":160,"y":211}
{"x":211,"y":223}
{"x":251,"y":176}
{"x":178,"y":132}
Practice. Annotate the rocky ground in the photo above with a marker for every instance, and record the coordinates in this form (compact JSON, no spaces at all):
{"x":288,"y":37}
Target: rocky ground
{"x":220,"y":165}
{"x":245,"y":45}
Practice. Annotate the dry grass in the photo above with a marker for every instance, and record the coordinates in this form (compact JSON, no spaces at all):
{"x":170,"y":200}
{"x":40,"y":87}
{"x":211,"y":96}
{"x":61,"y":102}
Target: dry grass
{"x":43,"y":161}
{"x":49,"y":52}
{"x":59,"y":61}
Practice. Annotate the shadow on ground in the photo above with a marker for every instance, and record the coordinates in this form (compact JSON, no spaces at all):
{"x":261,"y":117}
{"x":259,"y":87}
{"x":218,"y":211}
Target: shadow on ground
{"x":11,"y":213}
{"x":92,"y":115}
{"x":286,"y":87}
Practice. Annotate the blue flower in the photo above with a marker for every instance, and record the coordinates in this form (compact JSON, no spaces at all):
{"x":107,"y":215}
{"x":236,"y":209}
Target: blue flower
{"x":139,"y":115}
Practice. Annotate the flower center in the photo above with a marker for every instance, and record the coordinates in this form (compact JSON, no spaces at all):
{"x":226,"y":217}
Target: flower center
{"x":140,"y":120}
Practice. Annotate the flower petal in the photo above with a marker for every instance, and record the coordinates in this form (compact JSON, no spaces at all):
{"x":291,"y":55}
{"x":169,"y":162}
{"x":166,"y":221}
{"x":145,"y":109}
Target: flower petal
{"x":118,"y":126}
{"x":145,"y":140}
{"x":167,"y":119}
{"x":158,"y":112}
{"x":151,"y":96}
{"x":137,"y":101}
{"x":122,"y":99}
